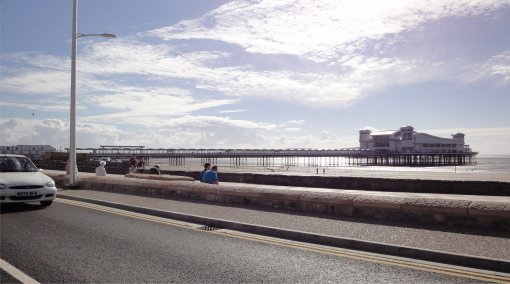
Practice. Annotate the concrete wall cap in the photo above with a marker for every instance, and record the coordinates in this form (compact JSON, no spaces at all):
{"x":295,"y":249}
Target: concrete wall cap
{"x":241,"y":191}
{"x":159,"y":177}
{"x":280,"y":196}
{"x":339,"y":198}
{"x":204,"y":187}
{"x":436,"y":205}
{"x":376,"y":201}
{"x":486,"y":208}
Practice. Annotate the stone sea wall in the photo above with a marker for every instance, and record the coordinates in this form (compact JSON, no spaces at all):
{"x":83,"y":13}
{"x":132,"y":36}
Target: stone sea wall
{"x":494,"y":188}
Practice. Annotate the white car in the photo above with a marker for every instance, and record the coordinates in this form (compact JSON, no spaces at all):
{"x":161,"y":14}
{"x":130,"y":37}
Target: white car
{"x":21,"y":181}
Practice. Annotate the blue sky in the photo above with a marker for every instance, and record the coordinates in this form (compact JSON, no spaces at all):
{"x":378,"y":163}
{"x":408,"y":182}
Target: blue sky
{"x":255,"y":74}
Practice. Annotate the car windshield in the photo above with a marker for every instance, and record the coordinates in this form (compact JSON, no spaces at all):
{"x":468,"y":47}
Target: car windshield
{"x":16,"y":164}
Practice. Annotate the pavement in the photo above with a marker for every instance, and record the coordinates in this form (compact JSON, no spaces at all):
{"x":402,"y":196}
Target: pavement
{"x":470,"y":246}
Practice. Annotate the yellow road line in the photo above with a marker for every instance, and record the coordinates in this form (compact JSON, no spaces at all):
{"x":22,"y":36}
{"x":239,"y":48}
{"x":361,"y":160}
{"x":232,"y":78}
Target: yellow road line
{"x":304,"y":246}
{"x":126,"y":213}
{"x":372,"y":258}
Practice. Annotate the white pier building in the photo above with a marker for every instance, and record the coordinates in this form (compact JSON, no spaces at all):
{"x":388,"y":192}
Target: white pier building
{"x":406,"y":140}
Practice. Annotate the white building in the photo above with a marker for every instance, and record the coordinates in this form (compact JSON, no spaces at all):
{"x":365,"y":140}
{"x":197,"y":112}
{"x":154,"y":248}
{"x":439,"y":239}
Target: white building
{"x":406,"y":140}
{"x":35,"y":152}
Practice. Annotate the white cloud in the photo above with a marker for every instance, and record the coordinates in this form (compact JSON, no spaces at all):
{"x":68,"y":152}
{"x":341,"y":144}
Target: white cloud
{"x":233,"y":111}
{"x":43,"y":106}
{"x":316,"y":30}
{"x":155,"y":62}
{"x":209,"y":122}
{"x":34,"y":82}
{"x":163,"y":62}
{"x":499,"y":66}
{"x":296,"y":121}
{"x":136,"y":103}
{"x":345,"y":80}
{"x":26,"y":131}
{"x":35,"y":59}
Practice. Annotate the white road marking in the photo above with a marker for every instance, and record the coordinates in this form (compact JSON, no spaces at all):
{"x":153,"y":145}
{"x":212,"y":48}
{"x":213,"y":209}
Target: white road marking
{"x":16,"y":273}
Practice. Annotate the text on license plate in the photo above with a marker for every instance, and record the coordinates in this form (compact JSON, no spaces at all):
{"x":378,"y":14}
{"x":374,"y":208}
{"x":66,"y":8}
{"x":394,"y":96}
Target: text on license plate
{"x":27,"y":193}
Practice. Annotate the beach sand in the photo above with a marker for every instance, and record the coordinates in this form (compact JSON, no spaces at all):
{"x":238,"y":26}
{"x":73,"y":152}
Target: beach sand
{"x":394,"y":173}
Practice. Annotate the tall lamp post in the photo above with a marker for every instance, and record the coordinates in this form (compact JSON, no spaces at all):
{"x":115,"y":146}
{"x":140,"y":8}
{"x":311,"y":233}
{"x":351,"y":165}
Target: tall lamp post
{"x":72,"y":132}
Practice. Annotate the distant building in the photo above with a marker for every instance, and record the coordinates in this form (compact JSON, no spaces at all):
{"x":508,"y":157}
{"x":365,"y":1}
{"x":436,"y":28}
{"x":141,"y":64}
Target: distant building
{"x":35,"y":152}
{"x":406,"y":140}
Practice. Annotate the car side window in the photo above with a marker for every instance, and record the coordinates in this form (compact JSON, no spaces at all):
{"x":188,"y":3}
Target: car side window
{"x":28,"y":166}
{"x":15,"y":164}
{"x":9,"y":165}
{"x":4,"y":165}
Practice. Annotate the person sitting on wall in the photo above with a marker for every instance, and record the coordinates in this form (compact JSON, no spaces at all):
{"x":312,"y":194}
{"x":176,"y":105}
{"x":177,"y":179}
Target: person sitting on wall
{"x":132,"y":161}
{"x":211,"y":176}
{"x":155,"y":170}
{"x":140,"y":167}
{"x":132,"y":169}
{"x":207,"y":166}
{"x":100,"y":170}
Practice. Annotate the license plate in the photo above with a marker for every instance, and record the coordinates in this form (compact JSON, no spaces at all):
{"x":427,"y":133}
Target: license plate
{"x":27,"y":193}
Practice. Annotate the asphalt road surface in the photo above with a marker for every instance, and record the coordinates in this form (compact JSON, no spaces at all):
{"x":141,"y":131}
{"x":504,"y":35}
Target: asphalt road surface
{"x":76,"y":242}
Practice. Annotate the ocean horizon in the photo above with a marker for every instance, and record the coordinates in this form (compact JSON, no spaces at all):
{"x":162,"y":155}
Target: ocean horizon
{"x":484,"y":164}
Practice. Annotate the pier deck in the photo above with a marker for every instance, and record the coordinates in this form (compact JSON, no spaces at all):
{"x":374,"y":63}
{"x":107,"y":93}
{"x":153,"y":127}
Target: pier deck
{"x":287,"y":157}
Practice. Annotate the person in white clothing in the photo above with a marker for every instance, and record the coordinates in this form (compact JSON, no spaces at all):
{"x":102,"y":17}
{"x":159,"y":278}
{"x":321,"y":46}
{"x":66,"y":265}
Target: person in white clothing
{"x":101,"y":171}
{"x":68,"y":168}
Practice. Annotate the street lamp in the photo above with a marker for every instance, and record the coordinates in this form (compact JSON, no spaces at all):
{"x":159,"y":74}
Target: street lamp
{"x":72,"y":132}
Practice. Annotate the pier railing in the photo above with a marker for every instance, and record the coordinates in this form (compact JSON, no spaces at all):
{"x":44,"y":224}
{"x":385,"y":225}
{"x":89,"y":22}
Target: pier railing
{"x":266,"y":157}
{"x":122,"y":152}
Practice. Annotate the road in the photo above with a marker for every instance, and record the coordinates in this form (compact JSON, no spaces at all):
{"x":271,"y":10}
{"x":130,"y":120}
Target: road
{"x":77,"y":242}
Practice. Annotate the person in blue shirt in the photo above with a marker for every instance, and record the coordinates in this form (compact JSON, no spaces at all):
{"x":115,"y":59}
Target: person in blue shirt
{"x":207,"y":167}
{"x":211,"y":176}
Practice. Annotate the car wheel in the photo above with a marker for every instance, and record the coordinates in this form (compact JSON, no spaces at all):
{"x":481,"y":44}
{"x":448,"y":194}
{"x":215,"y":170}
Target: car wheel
{"x":46,"y":203}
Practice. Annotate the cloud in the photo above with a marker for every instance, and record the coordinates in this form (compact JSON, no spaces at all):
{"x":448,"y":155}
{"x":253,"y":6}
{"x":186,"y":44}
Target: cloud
{"x":232,"y":111}
{"x":26,"y":131}
{"x":210,"y":122}
{"x":336,"y":59}
{"x":499,"y":66}
{"x":43,"y":105}
{"x":37,"y":82}
{"x":296,"y":121}
{"x":316,"y":30}
{"x":36,"y":59}
{"x":155,"y":64}
{"x":202,"y":70}
{"x":134,"y":105}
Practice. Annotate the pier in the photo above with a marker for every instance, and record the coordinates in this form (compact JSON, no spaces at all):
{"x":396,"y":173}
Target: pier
{"x":285,"y":157}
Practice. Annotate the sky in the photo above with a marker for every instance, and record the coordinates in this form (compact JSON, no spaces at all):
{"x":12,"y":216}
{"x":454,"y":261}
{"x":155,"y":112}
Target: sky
{"x":255,"y":74}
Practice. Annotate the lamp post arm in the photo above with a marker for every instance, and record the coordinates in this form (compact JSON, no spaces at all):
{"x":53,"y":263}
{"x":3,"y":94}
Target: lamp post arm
{"x":78,"y":35}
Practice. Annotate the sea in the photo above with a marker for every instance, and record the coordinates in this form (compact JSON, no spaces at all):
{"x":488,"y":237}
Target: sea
{"x":484,"y":164}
